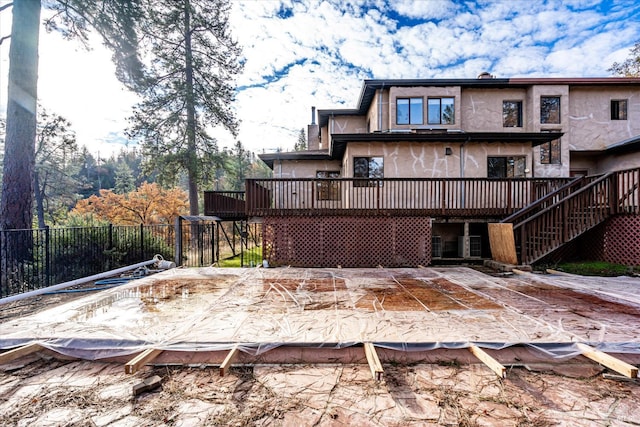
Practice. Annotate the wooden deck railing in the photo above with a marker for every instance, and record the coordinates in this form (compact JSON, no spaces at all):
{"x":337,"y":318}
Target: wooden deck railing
{"x":447,"y":197}
{"x":577,"y":212}
{"x":225,"y":204}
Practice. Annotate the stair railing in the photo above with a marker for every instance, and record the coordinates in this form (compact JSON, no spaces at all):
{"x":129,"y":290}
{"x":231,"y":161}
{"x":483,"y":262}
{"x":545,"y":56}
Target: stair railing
{"x":553,"y":226}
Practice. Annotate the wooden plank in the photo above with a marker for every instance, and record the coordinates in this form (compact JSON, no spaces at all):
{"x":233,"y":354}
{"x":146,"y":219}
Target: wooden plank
{"x":502,"y":243}
{"x":609,"y":361}
{"x":147,"y":385}
{"x":140,"y":360}
{"x":492,"y":363}
{"x":16,"y":353}
{"x":226,"y":364}
{"x":373,"y":360}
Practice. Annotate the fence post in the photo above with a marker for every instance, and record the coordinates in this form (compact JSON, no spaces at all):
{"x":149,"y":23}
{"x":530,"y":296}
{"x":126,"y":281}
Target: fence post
{"x":2,"y":264}
{"x":613,"y":194}
{"x":47,"y":257}
{"x":178,"y":248}
{"x":141,"y":242}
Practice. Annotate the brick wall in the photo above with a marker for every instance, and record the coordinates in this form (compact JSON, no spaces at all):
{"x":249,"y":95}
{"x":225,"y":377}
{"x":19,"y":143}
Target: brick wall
{"x":347,"y":241}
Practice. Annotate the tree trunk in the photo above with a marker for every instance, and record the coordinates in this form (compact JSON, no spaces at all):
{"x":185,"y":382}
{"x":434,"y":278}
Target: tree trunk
{"x":19,"y":151}
{"x":192,"y":167}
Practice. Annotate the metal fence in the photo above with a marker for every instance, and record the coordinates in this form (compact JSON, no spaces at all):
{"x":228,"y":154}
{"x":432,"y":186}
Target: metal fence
{"x":38,"y":258}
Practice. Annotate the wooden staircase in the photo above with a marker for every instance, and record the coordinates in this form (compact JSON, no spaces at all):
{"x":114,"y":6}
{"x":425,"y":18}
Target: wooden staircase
{"x":572,"y":210}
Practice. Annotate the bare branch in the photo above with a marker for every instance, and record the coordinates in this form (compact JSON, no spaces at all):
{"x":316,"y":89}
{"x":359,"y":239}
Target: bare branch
{"x":4,"y":38}
{"x":6,"y":6}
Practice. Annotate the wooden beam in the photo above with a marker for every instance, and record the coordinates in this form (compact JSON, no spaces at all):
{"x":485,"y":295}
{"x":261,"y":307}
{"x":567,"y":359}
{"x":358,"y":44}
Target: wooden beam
{"x":609,"y":361}
{"x":492,"y":363}
{"x":16,"y":353}
{"x":374,"y":361}
{"x":226,"y":364}
{"x":140,"y":360}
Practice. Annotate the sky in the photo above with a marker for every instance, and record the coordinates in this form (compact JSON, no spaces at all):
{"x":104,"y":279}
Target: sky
{"x":300,"y":54}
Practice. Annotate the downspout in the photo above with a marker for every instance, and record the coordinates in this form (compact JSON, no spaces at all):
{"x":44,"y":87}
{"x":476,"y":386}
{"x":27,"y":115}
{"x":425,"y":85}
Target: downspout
{"x":462,"y":193}
{"x":380,"y":108}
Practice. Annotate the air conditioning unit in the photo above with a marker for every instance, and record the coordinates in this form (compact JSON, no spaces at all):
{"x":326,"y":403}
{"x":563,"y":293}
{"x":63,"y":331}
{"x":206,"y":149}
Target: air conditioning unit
{"x":475,"y":246}
{"x":436,"y":246}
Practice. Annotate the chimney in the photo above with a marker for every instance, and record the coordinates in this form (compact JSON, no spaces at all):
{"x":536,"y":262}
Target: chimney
{"x":313,"y":132}
{"x":485,"y":75}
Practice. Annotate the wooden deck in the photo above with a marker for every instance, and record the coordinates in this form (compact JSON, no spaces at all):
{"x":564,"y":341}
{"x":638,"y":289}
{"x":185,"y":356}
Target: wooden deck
{"x":434,"y":197}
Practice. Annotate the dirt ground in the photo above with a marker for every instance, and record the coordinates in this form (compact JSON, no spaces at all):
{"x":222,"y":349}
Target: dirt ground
{"x":43,"y":389}
{"x":40,"y":392}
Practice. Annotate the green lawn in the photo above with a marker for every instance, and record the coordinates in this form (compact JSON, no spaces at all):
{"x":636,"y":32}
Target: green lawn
{"x":253,"y":254}
{"x":597,"y":268}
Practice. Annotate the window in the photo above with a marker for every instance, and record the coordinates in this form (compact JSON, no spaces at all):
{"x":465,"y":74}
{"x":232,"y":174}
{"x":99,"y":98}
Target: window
{"x":619,"y":109}
{"x":506,"y":167}
{"x":328,"y":190}
{"x":409,"y":111}
{"x":441,"y":111}
{"x":368,"y":167}
{"x":550,"y":109}
{"x":512,"y":114}
{"x":550,"y":153}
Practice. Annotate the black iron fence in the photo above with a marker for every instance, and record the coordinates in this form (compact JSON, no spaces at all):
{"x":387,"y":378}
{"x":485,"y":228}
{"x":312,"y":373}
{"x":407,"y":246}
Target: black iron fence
{"x":38,"y":258}
{"x":56,"y":255}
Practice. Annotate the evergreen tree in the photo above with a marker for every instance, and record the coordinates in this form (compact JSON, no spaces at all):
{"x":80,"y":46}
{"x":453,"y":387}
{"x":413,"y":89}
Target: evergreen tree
{"x":238,"y":166}
{"x":53,"y":173}
{"x":124,"y":179}
{"x":301,"y":144}
{"x":188,"y":89}
{"x":630,"y":67}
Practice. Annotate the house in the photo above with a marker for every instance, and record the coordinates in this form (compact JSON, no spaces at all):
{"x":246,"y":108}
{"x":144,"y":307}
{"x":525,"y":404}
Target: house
{"x":416,"y":172}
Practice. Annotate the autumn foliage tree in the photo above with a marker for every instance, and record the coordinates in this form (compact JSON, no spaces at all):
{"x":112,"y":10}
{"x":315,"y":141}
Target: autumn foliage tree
{"x":148,"y":204}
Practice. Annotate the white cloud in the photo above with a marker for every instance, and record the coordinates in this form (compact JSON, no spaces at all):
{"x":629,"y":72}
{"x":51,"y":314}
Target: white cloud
{"x":316,"y":53}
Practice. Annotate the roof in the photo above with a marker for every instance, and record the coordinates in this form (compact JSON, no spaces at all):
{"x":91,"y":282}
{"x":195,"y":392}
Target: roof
{"x":340,"y":141}
{"x":630,"y":145}
{"x":369,"y":88}
{"x":269,"y":158}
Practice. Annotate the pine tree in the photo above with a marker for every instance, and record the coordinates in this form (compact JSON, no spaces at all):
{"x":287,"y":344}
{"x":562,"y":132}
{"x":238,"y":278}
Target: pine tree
{"x":53,"y":174}
{"x":188,"y":89}
{"x":301,"y":144}
{"x":630,"y":67}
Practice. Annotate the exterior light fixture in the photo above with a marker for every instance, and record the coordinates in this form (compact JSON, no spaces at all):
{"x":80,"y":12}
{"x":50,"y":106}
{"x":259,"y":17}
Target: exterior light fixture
{"x":448,"y":151}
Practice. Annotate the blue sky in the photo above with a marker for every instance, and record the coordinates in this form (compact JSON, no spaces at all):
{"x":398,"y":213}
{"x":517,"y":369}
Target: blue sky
{"x":308,"y":53}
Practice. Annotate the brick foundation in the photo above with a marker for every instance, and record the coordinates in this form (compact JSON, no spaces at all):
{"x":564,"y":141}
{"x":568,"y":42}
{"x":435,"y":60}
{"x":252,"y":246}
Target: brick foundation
{"x":347,"y":241}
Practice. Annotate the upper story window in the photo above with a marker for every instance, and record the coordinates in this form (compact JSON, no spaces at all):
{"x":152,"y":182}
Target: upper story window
{"x":550,"y":109}
{"x":618,"y":109}
{"x":367,"y":167}
{"x":512,"y":114}
{"x":409,"y":111}
{"x":441,"y":111}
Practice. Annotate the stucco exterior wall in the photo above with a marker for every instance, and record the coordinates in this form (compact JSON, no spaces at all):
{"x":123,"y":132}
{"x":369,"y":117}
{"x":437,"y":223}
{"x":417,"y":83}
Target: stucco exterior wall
{"x":590,"y":124}
{"x":378,"y":114}
{"x":619,"y":162}
{"x":481,"y":109}
{"x":428,"y":160}
{"x":302,"y":169}
{"x":348,"y":124}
